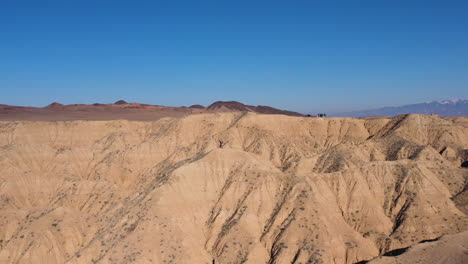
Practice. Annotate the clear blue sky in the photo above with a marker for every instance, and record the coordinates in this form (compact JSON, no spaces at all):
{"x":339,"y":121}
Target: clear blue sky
{"x":299,"y":55}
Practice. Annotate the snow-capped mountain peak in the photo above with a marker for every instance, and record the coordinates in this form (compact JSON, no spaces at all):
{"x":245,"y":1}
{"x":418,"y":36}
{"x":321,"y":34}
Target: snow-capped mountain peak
{"x":450,"y":107}
{"x":449,"y":101}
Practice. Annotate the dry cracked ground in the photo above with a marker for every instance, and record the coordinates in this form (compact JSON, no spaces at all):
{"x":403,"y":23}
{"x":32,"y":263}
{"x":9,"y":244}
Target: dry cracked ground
{"x":235,"y":188}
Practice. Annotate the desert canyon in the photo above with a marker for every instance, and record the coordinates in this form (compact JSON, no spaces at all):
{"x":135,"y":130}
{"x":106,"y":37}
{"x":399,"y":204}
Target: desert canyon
{"x":233,"y":187}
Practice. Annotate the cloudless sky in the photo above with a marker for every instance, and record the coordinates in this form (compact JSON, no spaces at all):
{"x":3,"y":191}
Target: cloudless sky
{"x":301,"y":55}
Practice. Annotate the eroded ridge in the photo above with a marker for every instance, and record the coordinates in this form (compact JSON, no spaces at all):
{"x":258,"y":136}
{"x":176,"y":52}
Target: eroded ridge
{"x":278,"y":189}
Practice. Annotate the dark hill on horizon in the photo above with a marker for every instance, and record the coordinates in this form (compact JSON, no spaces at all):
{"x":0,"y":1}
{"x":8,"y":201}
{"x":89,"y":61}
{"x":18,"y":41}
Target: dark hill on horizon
{"x":124,"y":110}
{"x":230,"y":106}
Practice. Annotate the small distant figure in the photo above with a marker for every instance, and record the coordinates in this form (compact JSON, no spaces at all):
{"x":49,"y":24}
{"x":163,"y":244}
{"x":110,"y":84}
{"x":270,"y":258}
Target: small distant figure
{"x":221,"y":145}
{"x":321,"y":115}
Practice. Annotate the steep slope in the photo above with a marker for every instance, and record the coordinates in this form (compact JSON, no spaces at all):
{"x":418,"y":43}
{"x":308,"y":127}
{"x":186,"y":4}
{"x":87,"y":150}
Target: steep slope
{"x":447,"y":249}
{"x":229,"y":187}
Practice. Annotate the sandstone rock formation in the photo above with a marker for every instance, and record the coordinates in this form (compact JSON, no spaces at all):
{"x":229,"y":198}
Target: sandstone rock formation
{"x":279,"y":189}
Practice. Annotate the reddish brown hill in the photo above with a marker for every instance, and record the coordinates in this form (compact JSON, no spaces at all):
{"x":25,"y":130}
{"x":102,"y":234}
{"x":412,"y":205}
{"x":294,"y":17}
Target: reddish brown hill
{"x":119,"y":110}
{"x":124,"y":110}
{"x":55,"y":105}
{"x":197,"y":106}
{"x":120,"y":102}
{"x":230,"y":106}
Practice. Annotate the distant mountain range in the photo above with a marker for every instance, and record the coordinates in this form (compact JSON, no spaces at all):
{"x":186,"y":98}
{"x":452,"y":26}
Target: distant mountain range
{"x":453,"y":107}
{"x":146,"y":112}
{"x":123,"y":110}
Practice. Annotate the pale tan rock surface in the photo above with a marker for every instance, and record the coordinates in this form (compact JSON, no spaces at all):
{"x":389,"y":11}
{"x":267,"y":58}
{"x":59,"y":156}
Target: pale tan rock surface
{"x":233,"y":187}
{"x":447,"y":249}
